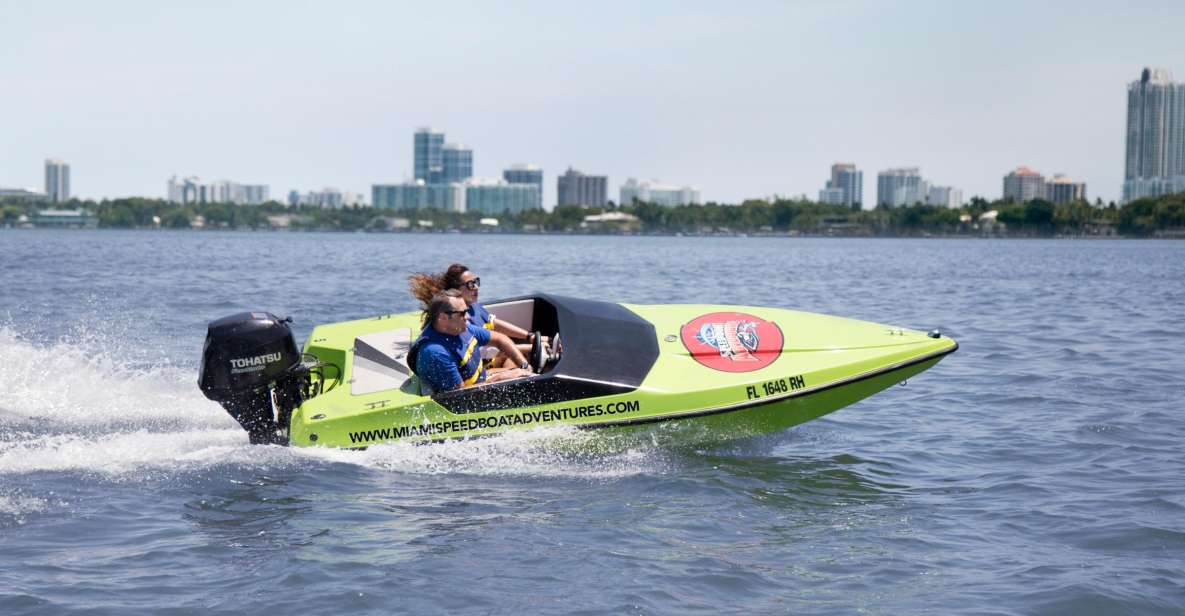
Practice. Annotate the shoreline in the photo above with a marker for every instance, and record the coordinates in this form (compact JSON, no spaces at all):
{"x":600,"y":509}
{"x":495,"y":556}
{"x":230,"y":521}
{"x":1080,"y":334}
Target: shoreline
{"x":794,"y":235}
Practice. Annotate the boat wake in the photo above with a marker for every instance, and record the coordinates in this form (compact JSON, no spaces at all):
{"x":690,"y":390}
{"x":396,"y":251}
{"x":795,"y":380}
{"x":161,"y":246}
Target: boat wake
{"x":554,"y":451}
{"x":78,"y":407}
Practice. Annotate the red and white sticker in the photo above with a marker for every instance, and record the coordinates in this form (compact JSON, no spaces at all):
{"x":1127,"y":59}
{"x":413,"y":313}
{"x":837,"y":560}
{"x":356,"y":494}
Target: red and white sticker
{"x":732,"y":341}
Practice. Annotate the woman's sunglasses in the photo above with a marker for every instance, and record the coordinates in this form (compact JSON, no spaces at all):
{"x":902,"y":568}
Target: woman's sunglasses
{"x":472,"y":285}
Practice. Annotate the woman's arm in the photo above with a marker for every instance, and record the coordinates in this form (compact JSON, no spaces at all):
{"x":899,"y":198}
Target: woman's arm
{"x":507,"y":346}
{"x":510,"y":329}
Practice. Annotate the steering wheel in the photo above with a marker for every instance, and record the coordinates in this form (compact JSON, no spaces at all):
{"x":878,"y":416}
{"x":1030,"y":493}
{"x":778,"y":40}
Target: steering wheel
{"x":538,"y":356}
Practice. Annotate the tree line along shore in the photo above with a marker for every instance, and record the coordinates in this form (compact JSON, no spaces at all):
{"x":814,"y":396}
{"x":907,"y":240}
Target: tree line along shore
{"x":1152,"y":217}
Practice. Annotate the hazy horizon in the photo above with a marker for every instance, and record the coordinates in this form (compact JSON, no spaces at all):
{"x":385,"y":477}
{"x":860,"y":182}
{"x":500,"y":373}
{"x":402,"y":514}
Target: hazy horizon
{"x":741,"y":101}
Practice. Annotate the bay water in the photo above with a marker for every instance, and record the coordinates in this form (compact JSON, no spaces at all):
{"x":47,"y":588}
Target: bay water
{"x":1038,"y":470}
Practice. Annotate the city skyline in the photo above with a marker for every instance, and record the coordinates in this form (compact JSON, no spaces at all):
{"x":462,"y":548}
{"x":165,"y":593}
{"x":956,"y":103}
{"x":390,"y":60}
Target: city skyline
{"x":742,"y":104}
{"x":444,"y":180}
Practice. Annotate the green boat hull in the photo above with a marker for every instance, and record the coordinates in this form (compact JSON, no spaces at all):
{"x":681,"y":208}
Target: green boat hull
{"x":700,"y":373}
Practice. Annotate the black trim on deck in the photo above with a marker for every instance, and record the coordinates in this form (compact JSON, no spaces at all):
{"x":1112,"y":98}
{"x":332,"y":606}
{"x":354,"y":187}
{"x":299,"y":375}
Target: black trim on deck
{"x":608,"y":350}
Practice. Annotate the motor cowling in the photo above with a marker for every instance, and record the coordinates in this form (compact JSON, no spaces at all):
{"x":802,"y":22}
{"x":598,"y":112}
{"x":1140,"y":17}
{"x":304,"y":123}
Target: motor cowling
{"x":245,"y":357}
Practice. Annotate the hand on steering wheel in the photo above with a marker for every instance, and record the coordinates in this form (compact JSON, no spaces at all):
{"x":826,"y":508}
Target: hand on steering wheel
{"x":538,"y":356}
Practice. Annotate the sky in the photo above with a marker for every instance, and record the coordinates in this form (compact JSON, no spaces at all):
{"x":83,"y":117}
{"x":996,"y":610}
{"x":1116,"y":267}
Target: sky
{"x":739,"y":99}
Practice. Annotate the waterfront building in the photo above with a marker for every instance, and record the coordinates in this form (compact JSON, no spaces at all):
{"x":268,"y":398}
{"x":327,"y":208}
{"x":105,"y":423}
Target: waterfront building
{"x":576,"y":188}
{"x":238,"y":194}
{"x":944,"y":196}
{"x":1023,"y":185}
{"x":456,"y":163}
{"x":1152,"y":187}
{"x":419,"y":195}
{"x":490,"y":196}
{"x":831,"y":196}
{"x":331,"y":198}
{"x":525,"y":174}
{"x":25,"y":194}
{"x":1155,"y":154}
{"x":428,"y":155}
{"x":353,"y":199}
{"x":65,"y":219}
{"x":660,"y":194}
{"x":188,"y":190}
{"x":175,"y":193}
{"x":193,"y":190}
{"x":57,"y":180}
{"x":612,"y":221}
{"x":324,"y":198}
{"x":900,"y":187}
{"x":1062,"y":189}
{"x":247,"y":194}
{"x":846,"y":186}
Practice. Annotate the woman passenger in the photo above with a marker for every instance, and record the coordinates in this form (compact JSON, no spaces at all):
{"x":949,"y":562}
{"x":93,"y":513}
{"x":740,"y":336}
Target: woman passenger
{"x":459,"y":277}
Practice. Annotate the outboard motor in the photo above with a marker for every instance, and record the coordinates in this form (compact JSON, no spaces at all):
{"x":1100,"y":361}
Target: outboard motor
{"x":248,"y":359}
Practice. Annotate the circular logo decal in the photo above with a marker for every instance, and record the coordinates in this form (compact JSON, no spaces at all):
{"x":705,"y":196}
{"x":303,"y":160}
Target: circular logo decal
{"x":732,"y":341}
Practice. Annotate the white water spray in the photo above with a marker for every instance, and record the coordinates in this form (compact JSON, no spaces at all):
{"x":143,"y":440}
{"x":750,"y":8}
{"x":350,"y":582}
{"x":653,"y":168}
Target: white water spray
{"x":70,"y":408}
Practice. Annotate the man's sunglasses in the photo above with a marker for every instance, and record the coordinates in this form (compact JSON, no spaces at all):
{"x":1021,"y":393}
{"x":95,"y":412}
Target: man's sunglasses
{"x":472,"y":285}
{"x":453,"y":313}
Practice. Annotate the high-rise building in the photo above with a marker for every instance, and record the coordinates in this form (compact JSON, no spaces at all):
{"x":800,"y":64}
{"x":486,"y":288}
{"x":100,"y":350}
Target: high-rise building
{"x":1155,"y":156}
{"x":659,"y":194}
{"x":26,"y":194}
{"x":1024,"y":185}
{"x":575,"y":188}
{"x":944,"y":196}
{"x":456,"y":163}
{"x":831,"y":196}
{"x":428,"y":153}
{"x":183,"y":191}
{"x":353,"y":199}
{"x":901,"y":186}
{"x":1061,"y":189}
{"x":846,"y":186}
{"x":57,"y":180}
{"x":324,"y":198}
{"x":246,"y":194}
{"x":1152,"y":187}
{"x":419,"y":195}
{"x":193,"y":190}
{"x":499,"y":196}
{"x":526,"y":174}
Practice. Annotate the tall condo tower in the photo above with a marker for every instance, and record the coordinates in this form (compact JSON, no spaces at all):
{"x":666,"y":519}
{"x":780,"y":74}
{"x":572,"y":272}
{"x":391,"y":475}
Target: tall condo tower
{"x":1023,"y":185}
{"x":1155,"y":156}
{"x":57,"y":180}
{"x":576,"y":188}
{"x":901,"y":186}
{"x":846,"y":186}
{"x":428,"y":153}
{"x":456,"y":162}
{"x":525,"y":174}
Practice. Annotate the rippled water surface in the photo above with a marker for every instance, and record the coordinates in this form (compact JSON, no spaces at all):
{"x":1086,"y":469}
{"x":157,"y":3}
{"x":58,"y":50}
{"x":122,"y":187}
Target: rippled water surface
{"x":1039,"y":470}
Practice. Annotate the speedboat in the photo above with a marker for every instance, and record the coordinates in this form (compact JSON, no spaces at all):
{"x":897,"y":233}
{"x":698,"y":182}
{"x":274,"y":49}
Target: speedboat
{"x":702,"y":372}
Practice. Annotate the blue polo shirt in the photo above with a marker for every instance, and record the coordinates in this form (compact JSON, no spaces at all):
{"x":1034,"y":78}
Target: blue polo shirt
{"x":438,"y":360}
{"x":479,"y":316}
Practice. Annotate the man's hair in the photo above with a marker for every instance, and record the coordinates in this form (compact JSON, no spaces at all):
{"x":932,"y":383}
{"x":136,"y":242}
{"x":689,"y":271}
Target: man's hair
{"x":438,"y":304}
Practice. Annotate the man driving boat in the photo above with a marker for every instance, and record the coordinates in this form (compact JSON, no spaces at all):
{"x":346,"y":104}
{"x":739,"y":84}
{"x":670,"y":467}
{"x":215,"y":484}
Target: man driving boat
{"x":459,"y":277}
{"x":447,"y":355}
